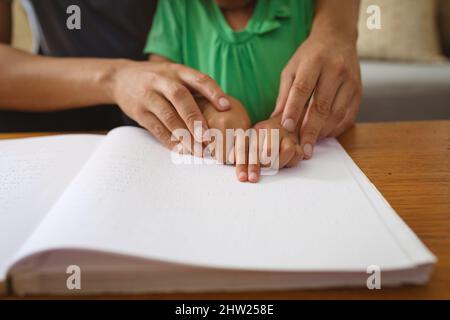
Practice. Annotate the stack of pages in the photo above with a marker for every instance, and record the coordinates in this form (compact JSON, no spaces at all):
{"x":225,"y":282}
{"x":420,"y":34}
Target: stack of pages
{"x":131,"y":220}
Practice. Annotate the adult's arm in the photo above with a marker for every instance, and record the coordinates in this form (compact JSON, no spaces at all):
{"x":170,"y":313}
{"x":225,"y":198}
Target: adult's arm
{"x":36,"y":83}
{"x":326,"y":69}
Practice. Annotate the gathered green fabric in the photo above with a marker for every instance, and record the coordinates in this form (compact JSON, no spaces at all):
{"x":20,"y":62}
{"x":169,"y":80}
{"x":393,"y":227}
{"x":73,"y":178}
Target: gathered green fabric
{"x":246,"y":64}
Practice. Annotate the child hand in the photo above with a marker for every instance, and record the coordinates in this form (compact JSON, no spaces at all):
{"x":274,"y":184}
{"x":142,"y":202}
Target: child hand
{"x":289,"y":152}
{"x":235,"y":118}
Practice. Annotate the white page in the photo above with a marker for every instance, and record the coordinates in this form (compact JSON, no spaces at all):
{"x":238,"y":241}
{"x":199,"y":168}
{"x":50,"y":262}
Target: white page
{"x":33,"y":173}
{"x":131,"y":199}
{"x":406,"y":238}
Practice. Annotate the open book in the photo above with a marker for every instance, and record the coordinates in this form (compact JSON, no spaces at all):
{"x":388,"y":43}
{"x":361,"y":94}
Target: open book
{"x":118,"y":208}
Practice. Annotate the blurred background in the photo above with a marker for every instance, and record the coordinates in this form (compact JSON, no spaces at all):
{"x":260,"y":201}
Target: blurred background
{"x":22,"y":36}
{"x":405,"y":64}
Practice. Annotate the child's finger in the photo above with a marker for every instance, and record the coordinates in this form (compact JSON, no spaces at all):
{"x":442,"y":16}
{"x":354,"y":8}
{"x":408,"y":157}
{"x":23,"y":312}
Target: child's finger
{"x":296,"y":158}
{"x":241,"y":157}
{"x":287,"y":151}
{"x":231,"y":157}
{"x":253,"y":158}
{"x":268,"y":148}
{"x":241,"y":172}
{"x":254,"y":172}
{"x":219,"y":151}
{"x":241,"y":149}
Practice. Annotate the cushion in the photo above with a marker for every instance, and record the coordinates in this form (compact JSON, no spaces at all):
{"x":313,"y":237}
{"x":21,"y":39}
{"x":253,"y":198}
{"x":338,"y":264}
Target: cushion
{"x":444,"y":25}
{"x":408,"y":31}
{"x":399,"y":91}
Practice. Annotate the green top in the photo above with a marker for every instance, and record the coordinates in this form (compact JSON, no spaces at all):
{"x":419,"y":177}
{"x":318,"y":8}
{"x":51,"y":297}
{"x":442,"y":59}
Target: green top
{"x":246,"y":64}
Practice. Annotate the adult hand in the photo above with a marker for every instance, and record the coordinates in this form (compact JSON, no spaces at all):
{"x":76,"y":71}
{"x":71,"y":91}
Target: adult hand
{"x":159,"y":96}
{"x":323,"y":76}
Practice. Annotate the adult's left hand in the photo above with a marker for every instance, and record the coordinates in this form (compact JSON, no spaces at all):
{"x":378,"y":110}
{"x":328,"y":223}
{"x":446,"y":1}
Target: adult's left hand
{"x":324,"y":77}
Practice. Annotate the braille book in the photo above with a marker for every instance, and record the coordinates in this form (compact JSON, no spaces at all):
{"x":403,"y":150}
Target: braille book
{"x":87,"y":214}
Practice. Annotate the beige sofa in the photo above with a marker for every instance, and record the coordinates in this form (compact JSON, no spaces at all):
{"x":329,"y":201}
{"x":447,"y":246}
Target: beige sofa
{"x":395,"y":91}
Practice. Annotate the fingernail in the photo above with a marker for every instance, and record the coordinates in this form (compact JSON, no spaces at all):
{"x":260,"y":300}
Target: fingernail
{"x":308,"y":150}
{"x":253,"y":177}
{"x":242,"y":176}
{"x":224,"y":102}
{"x":289,"y":125}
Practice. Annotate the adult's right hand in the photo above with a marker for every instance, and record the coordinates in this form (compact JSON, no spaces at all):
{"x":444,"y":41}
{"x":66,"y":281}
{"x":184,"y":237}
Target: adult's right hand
{"x":159,"y":96}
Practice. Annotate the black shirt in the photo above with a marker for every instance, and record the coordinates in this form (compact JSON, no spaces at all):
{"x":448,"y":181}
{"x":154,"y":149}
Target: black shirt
{"x":109,"y":29}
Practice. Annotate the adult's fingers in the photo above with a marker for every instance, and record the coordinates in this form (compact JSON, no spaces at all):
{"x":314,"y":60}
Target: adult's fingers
{"x":353,"y":106}
{"x":301,"y":90}
{"x":286,"y":80}
{"x":205,"y":85}
{"x":318,"y":112}
{"x":287,"y":151}
{"x":350,"y":116}
{"x":339,"y":109}
{"x":167,"y":115}
{"x":150,"y":122}
{"x":296,"y":159}
{"x":183,"y":102}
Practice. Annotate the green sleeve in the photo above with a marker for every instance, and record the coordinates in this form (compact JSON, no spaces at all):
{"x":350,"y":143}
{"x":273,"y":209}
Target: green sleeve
{"x":165,"y":35}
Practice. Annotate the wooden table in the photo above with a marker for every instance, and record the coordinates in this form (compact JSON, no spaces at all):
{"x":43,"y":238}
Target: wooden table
{"x":409,"y":163}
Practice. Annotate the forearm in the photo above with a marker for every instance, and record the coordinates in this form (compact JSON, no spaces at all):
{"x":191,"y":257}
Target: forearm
{"x":337,"y":17}
{"x":36,"y":83}
{"x":158,"y":58}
